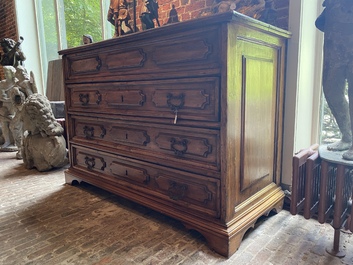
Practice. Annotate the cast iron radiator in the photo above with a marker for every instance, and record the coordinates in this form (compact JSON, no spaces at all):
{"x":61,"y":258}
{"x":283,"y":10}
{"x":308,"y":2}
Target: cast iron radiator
{"x":322,"y":190}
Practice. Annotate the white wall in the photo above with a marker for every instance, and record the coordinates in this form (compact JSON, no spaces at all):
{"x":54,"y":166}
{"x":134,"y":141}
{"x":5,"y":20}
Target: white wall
{"x":303,"y":82}
{"x":26,"y":23}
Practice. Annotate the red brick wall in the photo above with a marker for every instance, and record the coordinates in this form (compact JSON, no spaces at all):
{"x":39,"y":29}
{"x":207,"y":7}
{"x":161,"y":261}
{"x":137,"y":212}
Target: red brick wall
{"x":8,"y":26}
{"x":188,"y":9}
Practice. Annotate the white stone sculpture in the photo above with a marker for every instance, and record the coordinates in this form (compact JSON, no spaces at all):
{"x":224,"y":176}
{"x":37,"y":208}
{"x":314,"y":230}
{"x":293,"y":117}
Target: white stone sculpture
{"x":10,"y":123}
{"x":14,"y":89}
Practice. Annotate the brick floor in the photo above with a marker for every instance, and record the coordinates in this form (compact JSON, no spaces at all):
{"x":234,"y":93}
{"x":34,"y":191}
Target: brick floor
{"x":44,"y":221}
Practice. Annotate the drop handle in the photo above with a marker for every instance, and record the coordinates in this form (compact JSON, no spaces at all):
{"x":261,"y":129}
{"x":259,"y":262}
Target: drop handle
{"x":90,"y":162}
{"x":175,"y":103}
{"x":99,"y":63}
{"x":176,"y":116}
{"x":84,"y":99}
{"x":88,"y":132}
{"x":179,"y":147}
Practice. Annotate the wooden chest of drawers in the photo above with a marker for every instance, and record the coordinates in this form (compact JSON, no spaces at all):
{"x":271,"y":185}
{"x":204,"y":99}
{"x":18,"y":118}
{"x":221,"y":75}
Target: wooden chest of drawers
{"x":185,"y":119}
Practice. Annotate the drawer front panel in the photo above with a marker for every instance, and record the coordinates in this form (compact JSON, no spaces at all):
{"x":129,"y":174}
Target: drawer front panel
{"x":184,"y":190}
{"x":179,"y":52}
{"x":185,"y":99}
{"x":192,"y":149}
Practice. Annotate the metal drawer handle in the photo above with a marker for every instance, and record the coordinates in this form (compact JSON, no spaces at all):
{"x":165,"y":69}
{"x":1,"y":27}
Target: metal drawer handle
{"x":179,"y":146}
{"x":99,"y":97}
{"x":84,"y":99}
{"x":90,"y":162}
{"x":99,"y":61}
{"x":177,"y":191}
{"x":104,"y":132}
{"x":88,"y":132}
{"x":175,"y":103}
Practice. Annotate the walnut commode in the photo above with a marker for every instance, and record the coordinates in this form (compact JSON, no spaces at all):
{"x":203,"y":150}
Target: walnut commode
{"x":185,"y":119}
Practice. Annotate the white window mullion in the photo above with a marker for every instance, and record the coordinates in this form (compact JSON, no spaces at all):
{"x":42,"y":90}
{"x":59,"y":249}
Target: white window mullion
{"x":60,"y":22}
{"x":41,"y":42}
{"x":106,"y":28}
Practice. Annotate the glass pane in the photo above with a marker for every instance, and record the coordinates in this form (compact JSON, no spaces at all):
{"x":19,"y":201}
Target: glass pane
{"x":108,"y":28}
{"x":82,"y":17}
{"x":50,"y":29}
{"x":330,"y":132}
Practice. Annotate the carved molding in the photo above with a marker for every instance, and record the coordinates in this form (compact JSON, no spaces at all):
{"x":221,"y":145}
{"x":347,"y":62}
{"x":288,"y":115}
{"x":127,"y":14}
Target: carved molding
{"x":177,"y":191}
{"x":87,"y":65}
{"x":126,"y":135}
{"x":129,"y":59}
{"x":199,"y":50}
{"x":90,"y":162}
{"x":129,"y":98}
{"x":132,"y":173}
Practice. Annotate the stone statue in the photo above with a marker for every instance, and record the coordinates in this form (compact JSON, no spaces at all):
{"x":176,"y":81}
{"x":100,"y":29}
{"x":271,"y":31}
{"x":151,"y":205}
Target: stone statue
{"x":11,"y":126}
{"x":26,"y":82}
{"x":44,"y":146}
{"x":336,"y":22}
{"x":16,"y":87}
{"x":118,"y":14}
{"x":13,"y":54}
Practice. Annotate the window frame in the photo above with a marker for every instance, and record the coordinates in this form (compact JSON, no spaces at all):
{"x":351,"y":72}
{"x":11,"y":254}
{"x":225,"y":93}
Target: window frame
{"x":61,"y":32}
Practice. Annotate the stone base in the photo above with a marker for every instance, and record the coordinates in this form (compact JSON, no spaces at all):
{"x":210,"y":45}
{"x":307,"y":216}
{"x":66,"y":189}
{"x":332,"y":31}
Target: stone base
{"x":333,"y":156}
{"x":9,"y":148}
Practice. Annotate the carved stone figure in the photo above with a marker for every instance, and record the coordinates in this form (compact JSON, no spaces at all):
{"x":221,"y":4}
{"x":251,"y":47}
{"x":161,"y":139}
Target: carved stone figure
{"x":11,"y":126}
{"x":118,"y":14}
{"x":44,"y":146}
{"x":13,"y":54}
{"x":25,"y":82}
{"x":336,"y":22}
{"x":16,"y":87}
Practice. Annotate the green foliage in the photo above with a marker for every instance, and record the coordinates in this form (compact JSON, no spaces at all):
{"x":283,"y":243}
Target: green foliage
{"x":82,"y":17}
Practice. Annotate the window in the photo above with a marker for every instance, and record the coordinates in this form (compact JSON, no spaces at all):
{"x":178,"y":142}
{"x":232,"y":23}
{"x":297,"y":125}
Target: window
{"x":330,"y":132}
{"x":62,"y":23}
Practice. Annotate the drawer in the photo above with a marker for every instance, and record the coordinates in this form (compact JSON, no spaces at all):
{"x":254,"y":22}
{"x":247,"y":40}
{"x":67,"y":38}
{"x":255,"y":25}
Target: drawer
{"x":191,"y":149}
{"x":122,"y":59}
{"x":194,"y":99}
{"x":172,"y":187}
